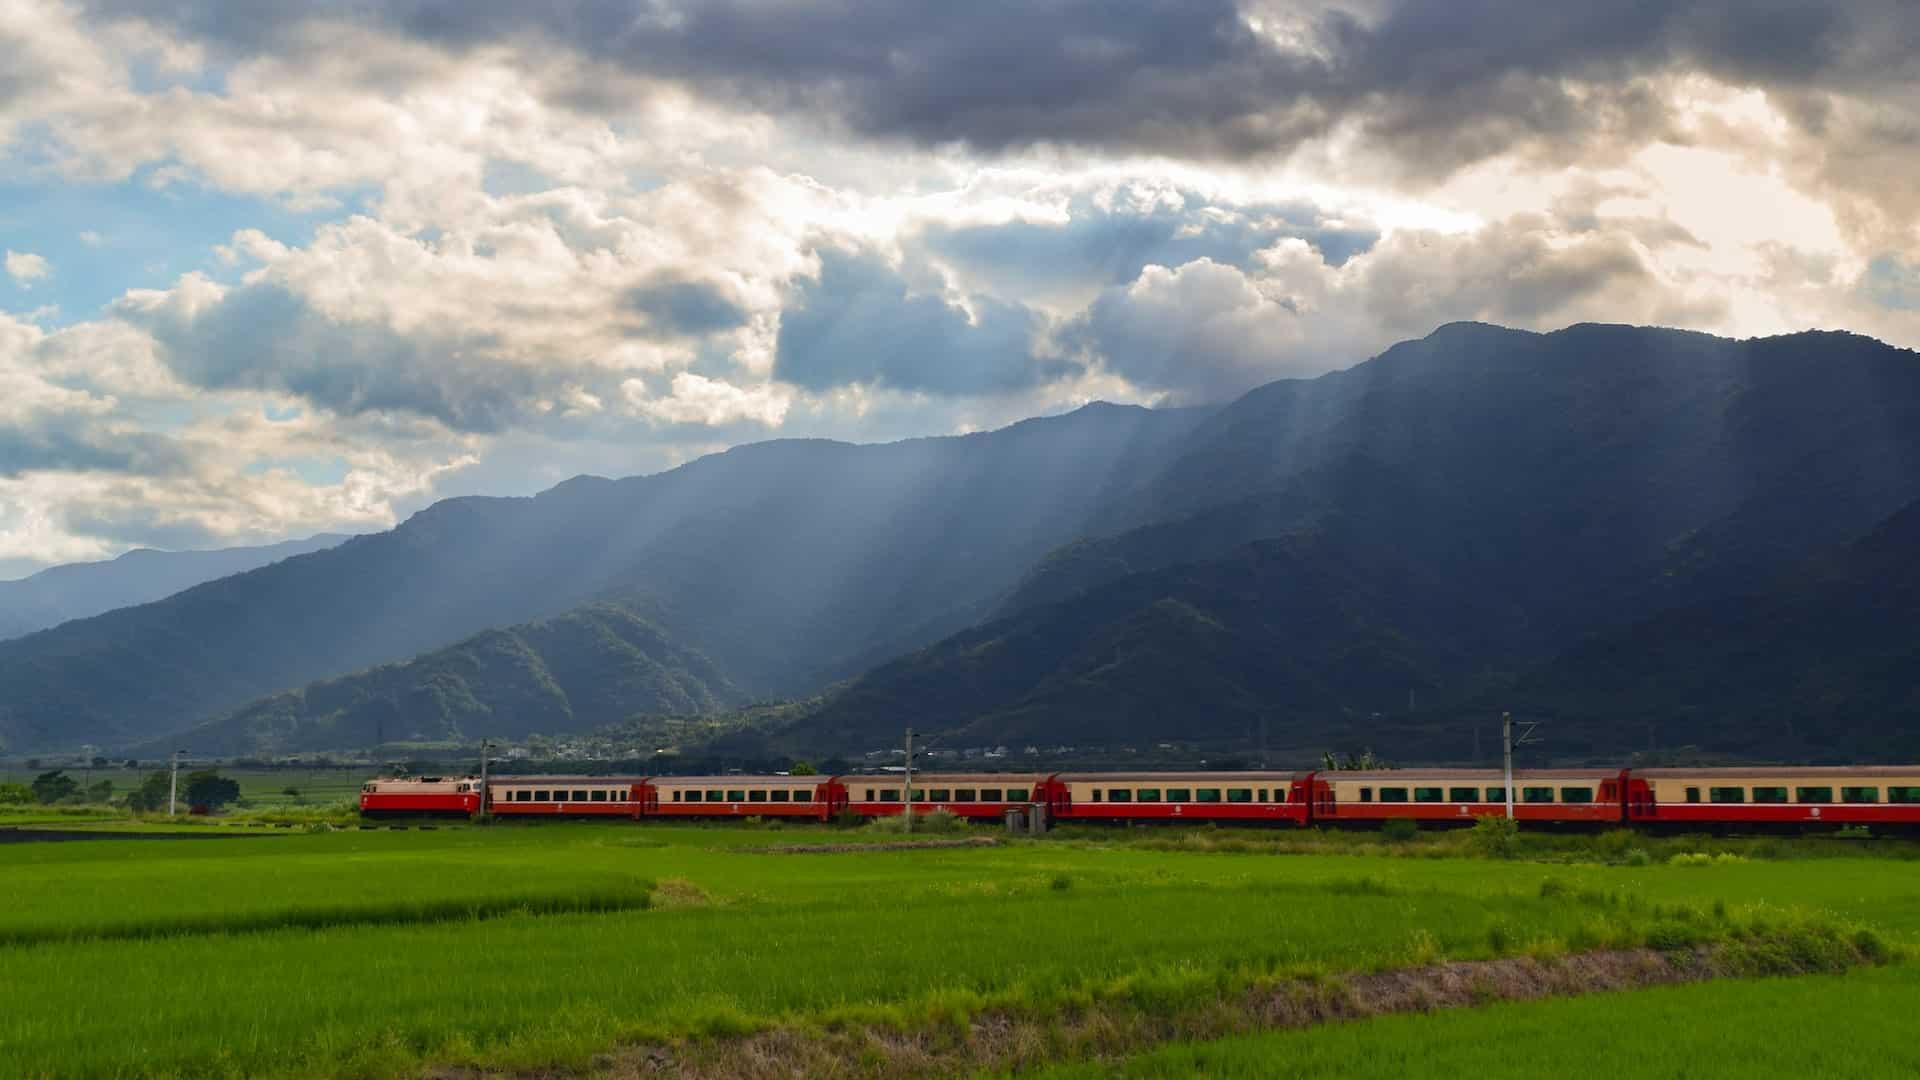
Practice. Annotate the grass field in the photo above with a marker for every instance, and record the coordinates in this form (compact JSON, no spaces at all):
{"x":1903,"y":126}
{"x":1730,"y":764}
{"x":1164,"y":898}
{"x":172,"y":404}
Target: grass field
{"x":1857,"y":1025}
{"x":381,"y":952}
{"x":259,"y":786}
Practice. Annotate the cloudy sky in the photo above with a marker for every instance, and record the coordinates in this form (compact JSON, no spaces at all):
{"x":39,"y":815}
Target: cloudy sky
{"x":274,"y":269}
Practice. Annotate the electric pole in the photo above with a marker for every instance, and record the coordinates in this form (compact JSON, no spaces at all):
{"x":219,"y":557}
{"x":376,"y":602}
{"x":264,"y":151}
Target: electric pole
{"x":173,"y":781}
{"x":484,"y":744}
{"x":1506,"y":739}
{"x":1509,"y":742}
{"x":909,"y":788}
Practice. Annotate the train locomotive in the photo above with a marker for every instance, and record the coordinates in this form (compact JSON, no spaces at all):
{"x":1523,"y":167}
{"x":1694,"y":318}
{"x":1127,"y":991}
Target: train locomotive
{"x":1798,"y":797}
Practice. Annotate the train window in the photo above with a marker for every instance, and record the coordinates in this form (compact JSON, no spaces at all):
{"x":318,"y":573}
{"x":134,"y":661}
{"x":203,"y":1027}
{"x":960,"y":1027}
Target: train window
{"x":599,"y":794}
{"x":1813,"y":794}
{"x":1769,"y":794}
{"x":580,"y":795}
{"x":1576,"y":794}
{"x":1239,"y":794}
{"x":1463,"y":794}
{"x":523,"y":795}
{"x":1727,"y":794}
{"x":966,"y":794}
{"x":920,"y":796}
{"x":803,"y":795}
{"x":778,"y":795}
{"x":1148,"y":794}
{"x":756,"y":795}
{"x":1693,"y":794}
{"x":1426,"y":794}
{"x":1016,"y":794}
{"x":716,"y":795}
{"x":1496,"y":794}
{"x":1366,"y":794}
{"x":1119,"y":794}
{"x":991,"y":794}
{"x":1859,"y":794}
{"x":891,"y":794}
{"x":1393,"y":794}
{"x":1179,"y":794}
{"x":1903,"y":794}
{"x":736,"y":795}
{"x":1536,"y":794}
{"x":1096,"y":794}
{"x":1206,"y":794}
{"x":676,"y":795}
{"x":869,"y":795}
{"x":542,"y":796}
{"x":941,"y":794}
{"x":1263,"y":794}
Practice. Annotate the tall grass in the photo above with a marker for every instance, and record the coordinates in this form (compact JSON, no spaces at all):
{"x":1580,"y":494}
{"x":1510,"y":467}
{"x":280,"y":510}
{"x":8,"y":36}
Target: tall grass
{"x":1854,"y":1026}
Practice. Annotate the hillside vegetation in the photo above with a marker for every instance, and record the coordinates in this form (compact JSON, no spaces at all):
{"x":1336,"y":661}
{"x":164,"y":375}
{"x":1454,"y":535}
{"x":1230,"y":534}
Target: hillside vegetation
{"x":1374,"y":555}
{"x":590,"y":667}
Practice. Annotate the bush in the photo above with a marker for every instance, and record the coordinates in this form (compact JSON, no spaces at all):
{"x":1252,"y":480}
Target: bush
{"x":15,"y":794}
{"x":1496,"y":836}
{"x":51,"y":787}
{"x":930,"y":822}
{"x":1637,"y":857}
{"x":1399,"y":830}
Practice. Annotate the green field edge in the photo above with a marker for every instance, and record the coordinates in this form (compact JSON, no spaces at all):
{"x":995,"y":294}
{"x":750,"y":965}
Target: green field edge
{"x":415,"y":912}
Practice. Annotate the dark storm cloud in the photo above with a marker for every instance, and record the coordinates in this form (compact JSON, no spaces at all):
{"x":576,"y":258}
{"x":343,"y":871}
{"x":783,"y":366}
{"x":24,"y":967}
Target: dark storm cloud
{"x":263,"y":337}
{"x":81,"y":443}
{"x":684,"y":308}
{"x":859,"y":323}
{"x":1441,"y":84}
{"x":1110,"y":246}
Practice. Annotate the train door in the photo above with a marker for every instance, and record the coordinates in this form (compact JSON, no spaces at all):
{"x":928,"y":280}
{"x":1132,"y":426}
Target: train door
{"x":646,"y":800}
{"x":1058,"y":797}
{"x":831,"y":797}
{"x":1324,"y":806}
{"x":1613,"y":793}
{"x":1639,"y":800}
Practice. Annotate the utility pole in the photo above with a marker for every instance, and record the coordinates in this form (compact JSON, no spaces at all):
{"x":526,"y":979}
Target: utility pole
{"x":484,"y":744}
{"x":173,"y":781}
{"x":909,"y":788}
{"x":1506,"y":737}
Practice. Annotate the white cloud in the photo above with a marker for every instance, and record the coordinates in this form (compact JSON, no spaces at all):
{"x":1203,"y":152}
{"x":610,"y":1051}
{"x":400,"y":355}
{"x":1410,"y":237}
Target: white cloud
{"x":557,"y":261}
{"x":25,"y":268}
{"x":696,"y":399}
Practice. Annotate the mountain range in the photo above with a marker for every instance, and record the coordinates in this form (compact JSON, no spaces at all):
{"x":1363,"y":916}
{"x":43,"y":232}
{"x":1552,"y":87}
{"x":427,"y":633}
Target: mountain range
{"x":78,"y":590}
{"x":1615,"y":527}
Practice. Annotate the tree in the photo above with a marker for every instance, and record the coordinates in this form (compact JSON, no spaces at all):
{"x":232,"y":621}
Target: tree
{"x":209,"y":789}
{"x":51,"y":787}
{"x":151,"y":795}
{"x":100,"y":791}
{"x":15,"y":794}
{"x":803,"y":768}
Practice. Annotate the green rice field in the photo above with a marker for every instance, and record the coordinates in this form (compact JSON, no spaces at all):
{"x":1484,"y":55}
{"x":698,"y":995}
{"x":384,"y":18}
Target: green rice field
{"x":532,"y":947}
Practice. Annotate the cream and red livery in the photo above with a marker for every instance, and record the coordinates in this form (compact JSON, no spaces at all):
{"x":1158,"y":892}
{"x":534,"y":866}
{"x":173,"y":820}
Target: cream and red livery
{"x":422,"y":795}
{"x":1778,"y":796}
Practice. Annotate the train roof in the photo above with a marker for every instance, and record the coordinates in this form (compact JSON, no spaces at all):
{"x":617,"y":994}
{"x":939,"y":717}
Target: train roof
{"x":921,"y":779}
{"x":1192,"y":776}
{"x":739,"y":778}
{"x":1788,"y":771}
{"x":1412,"y":774}
{"x":546,"y":778}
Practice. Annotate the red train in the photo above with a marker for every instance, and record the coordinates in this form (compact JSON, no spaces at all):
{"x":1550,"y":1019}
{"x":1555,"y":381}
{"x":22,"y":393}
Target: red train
{"x":1693,"y":798}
